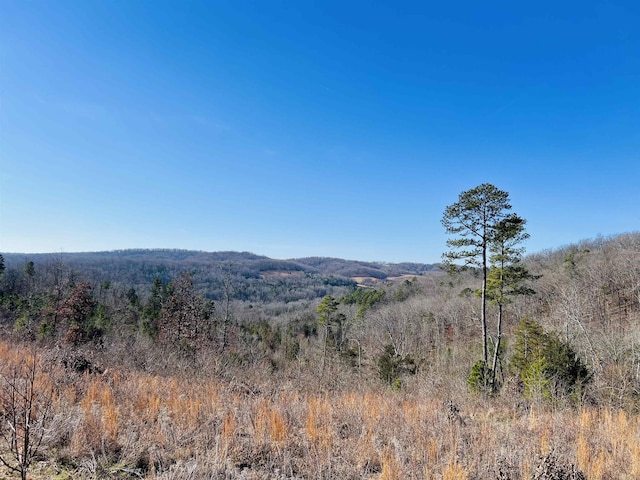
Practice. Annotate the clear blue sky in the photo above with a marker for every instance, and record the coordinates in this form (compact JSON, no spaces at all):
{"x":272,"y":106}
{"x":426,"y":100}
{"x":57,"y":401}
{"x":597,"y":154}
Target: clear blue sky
{"x":333,"y":128}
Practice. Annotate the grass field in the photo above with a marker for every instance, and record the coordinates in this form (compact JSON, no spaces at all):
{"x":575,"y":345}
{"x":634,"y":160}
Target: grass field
{"x":122,"y":424}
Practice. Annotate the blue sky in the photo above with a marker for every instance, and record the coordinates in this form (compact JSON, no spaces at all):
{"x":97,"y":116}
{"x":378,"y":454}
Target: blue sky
{"x":303,"y":128}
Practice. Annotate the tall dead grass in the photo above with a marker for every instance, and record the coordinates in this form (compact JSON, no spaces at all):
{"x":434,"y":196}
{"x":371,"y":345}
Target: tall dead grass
{"x":166,"y":427}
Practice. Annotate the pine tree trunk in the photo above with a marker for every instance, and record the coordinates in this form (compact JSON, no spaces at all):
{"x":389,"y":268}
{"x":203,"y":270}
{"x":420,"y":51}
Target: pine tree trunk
{"x":496,"y":351}
{"x":483,"y":318}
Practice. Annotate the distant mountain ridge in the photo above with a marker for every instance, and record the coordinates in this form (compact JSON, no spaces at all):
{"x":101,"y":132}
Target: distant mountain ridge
{"x":256,"y":276}
{"x":258,"y":263}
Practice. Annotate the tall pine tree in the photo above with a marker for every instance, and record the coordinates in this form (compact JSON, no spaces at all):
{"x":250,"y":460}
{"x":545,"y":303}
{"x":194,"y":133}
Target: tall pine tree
{"x":474,"y":221}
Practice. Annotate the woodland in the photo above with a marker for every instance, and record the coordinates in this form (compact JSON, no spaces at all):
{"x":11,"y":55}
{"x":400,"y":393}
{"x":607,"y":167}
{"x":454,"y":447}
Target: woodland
{"x":170,"y":364}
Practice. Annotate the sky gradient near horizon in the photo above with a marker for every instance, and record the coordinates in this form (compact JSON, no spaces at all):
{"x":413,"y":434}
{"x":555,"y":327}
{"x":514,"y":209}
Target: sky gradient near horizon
{"x":293,"y":129}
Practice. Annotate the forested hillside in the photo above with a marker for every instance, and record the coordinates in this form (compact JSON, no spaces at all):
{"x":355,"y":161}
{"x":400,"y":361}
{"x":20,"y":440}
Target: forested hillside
{"x":255,"y":278}
{"x":287,"y":369}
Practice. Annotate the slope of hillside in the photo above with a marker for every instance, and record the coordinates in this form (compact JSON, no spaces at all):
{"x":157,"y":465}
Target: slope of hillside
{"x":254,"y":277}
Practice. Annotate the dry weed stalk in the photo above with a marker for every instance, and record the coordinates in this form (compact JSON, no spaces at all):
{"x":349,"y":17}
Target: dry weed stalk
{"x":109,"y":413}
{"x":391,"y":468}
{"x":228,"y":427}
{"x":269,"y":424}
{"x":318,"y":424}
{"x":454,"y":471}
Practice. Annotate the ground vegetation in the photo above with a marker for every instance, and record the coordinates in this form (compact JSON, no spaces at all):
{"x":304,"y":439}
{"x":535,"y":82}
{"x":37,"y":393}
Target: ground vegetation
{"x":167,"y":382}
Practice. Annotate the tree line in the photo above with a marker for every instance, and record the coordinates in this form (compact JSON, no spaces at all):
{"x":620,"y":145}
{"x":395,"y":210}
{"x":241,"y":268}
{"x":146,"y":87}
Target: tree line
{"x":555,"y":324}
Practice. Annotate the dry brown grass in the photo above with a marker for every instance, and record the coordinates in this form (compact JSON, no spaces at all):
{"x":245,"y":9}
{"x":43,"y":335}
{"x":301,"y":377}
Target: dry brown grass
{"x":188,"y":428}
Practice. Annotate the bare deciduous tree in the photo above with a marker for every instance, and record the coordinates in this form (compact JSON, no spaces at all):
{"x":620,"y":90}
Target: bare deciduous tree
{"x":25,"y":412}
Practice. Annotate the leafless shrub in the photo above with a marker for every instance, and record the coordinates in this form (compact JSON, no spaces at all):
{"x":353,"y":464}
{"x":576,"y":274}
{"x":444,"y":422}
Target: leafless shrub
{"x":25,"y":413}
{"x":505,"y":470}
{"x":550,"y":468}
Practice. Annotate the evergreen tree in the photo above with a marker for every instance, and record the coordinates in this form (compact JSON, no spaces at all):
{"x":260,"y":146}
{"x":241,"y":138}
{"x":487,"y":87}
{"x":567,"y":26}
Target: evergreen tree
{"x":332,"y":322}
{"x":546,"y":365}
{"x":153,"y":307}
{"x":473,"y":219}
{"x":507,"y":276}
